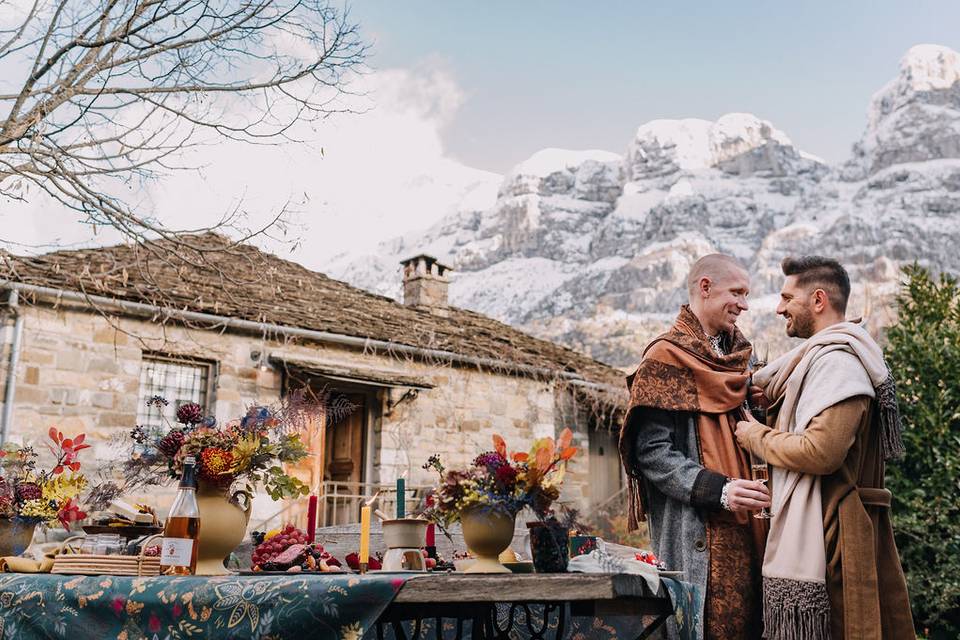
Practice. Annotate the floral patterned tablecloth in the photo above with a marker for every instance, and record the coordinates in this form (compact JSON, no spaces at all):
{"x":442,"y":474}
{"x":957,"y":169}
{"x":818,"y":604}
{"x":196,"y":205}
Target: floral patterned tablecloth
{"x":41,"y":606}
{"x":34,"y":606}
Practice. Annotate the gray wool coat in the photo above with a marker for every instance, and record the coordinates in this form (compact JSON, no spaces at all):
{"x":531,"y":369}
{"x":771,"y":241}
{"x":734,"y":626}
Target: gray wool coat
{"x":678,"y":493}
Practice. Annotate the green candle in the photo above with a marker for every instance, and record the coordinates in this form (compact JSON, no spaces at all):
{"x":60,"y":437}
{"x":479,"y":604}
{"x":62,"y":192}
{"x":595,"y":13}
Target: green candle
{"x":401,"y":499}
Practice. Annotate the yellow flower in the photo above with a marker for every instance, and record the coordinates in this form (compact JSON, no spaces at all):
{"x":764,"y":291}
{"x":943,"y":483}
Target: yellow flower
{"x":243,"y":453}
{"x":63,"y":487}
{"x":351,"y":632}
{"x":38,"y":509}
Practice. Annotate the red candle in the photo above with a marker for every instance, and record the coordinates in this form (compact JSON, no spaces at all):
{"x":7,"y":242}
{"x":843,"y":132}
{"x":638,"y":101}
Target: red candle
{"x":431,"y":528}
{"x":312,"y":519}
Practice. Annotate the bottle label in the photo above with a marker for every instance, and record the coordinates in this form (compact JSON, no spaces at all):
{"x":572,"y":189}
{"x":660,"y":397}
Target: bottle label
{"x":176,"y":552}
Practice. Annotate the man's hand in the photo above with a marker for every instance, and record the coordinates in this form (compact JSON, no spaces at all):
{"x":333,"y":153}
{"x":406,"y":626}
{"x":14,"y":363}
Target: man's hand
{"x":743,"y":427}
{"x":758,"y":398}
{"x":747,"y":495}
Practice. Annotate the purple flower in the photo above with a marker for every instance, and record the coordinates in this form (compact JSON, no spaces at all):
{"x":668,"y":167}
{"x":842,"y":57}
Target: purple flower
{"x":189,"y":413}
{"x":490,"y":460}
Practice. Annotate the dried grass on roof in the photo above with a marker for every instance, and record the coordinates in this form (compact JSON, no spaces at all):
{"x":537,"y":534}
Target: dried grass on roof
{"x":217,"y":276}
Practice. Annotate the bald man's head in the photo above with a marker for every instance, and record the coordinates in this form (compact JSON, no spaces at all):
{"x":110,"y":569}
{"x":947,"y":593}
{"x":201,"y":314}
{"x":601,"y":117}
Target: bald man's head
{"x":718,"y":286}
{"x":716,"y":266}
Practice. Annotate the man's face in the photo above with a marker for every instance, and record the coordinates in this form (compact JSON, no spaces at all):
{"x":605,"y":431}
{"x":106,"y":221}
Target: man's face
{"x":727,"y":299}
{"x":796,"y":306}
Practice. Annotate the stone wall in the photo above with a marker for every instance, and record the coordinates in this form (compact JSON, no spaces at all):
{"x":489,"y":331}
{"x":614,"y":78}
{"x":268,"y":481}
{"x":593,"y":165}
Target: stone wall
{"x":80,"y":372}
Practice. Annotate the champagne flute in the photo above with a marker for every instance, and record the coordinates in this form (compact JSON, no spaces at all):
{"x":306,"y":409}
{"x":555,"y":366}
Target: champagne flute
{"x":760,"y":473}
{"x":758,"y":360}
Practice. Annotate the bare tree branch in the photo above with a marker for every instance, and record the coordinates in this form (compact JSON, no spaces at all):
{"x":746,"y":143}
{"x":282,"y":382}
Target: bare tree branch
{"x":113,"y":91}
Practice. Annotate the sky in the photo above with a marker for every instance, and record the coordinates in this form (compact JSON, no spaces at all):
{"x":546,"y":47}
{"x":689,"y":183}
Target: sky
{"x":586,"y":75}
{"x":457,"y":93}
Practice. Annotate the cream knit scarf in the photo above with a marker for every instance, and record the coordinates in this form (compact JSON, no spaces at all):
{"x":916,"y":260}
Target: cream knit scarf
{"x":807,"y":381}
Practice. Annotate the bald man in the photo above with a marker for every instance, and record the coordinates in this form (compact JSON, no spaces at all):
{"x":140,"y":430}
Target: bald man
{"x":687,"y":474}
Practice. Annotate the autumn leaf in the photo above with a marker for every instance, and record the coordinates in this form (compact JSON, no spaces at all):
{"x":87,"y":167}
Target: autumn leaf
{"x":53,"y":435}
{"x":499,"y":445}
{"x":568,"y":453}
{"x":79,"y":440}
{"x":543,"y":459}
{"x":566,"y":436}
{"x":520,"y":456}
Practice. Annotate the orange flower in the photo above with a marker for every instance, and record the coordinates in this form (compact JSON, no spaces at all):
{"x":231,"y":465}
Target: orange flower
{"x":215,"y":463}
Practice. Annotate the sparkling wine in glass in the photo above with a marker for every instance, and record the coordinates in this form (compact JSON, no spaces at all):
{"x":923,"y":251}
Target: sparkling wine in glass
{"x":760,"y":472}
{"x":758,"y":360}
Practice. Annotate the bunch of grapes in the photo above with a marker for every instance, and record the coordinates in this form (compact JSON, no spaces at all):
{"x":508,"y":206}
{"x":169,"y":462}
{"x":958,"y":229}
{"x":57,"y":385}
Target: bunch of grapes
{"x":275,"y":545}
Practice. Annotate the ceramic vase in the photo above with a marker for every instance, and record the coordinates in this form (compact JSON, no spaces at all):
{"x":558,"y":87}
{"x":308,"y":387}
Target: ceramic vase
{"x":487,"y":532}
{"x":15,"y":535}
{"x":223,"y":524}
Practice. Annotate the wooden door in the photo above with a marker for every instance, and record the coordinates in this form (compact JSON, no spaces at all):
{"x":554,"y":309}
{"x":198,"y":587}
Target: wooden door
{"x":343,"y":459}
{"x":605,"y":476}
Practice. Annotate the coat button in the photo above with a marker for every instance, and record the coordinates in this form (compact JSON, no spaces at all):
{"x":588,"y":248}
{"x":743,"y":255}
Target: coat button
{"x":700,"y":545}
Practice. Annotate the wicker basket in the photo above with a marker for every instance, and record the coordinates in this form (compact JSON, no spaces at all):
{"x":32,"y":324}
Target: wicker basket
{"x":68,"y":561}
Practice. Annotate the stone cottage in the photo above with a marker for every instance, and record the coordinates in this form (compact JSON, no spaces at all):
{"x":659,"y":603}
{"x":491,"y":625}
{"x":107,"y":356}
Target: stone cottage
{"x":91,"y":334}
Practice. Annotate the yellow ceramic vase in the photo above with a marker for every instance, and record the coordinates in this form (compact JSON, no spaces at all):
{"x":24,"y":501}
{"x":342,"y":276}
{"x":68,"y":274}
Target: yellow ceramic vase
{"x":223,"y":523}
{"x":487,"y":533}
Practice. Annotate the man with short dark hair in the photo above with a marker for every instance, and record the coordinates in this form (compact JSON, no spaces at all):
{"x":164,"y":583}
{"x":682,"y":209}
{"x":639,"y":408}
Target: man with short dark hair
{"x":831,"y":568}
{"x":685,"y":468}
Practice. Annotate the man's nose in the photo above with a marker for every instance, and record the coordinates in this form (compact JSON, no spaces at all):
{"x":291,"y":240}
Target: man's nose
{"x":744,"y":306}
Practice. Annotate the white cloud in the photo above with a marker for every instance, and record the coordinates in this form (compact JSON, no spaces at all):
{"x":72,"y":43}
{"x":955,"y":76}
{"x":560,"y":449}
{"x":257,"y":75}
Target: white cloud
{"x":359,"y":179}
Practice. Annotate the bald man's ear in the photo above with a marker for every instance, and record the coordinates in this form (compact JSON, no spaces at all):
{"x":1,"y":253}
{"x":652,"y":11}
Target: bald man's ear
{"x":705,"y":285}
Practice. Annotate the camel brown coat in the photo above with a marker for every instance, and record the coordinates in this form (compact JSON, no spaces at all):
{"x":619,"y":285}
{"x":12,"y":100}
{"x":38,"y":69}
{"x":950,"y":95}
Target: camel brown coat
{"x":867,"y":589}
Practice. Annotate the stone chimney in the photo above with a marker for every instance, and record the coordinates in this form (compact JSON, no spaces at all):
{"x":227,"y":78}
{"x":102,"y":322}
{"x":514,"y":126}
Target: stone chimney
{"x":425,"y":283}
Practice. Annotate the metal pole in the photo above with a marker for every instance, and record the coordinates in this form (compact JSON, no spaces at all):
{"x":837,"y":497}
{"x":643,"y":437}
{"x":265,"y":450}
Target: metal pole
{"x":10,"y":391}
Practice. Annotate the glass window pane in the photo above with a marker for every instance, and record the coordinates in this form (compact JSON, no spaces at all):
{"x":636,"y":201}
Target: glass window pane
{"x":177,"y":382}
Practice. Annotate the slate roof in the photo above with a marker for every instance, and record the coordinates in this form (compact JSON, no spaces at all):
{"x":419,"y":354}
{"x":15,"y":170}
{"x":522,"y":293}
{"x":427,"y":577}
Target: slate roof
{"x":238,"y":280}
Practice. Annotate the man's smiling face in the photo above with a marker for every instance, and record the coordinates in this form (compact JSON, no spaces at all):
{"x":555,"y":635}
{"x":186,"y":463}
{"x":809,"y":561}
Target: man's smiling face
{"x":796,"y":306}
{"x":728,"y":299}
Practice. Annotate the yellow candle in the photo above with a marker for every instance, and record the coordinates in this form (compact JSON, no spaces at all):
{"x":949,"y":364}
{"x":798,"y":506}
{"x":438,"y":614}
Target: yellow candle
{"x":364,"y":535}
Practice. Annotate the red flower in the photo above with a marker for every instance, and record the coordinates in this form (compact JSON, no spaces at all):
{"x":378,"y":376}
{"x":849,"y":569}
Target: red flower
{"x":70,"y":512}
{"x":117,"y":605}
{"x":506,"y":477}
{"x":216,"y":463}
{"x":177,"y":610}
{"x":153,"y":623}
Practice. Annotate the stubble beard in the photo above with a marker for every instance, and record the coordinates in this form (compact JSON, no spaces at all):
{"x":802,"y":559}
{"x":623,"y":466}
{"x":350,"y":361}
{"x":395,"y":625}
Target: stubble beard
{"x":801,"y":325}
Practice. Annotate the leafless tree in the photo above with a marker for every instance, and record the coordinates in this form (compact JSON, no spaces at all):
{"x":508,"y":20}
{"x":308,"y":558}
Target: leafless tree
{"x":114,"y":91}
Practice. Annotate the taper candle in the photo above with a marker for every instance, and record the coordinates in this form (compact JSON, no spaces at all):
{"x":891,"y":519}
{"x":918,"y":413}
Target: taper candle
{"x":312,"y":519}
{"x":401,"y":499}
{"x":431,"y":528}
{"x":364,"y":535}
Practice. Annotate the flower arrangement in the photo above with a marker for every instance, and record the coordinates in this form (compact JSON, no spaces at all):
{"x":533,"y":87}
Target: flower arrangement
{"x":31,"y":495}
{"x":499,"y":480}
{"x":240,"y":454}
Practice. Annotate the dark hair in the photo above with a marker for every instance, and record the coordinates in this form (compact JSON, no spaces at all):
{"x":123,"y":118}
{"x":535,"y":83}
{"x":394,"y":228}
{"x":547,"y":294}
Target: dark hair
{"x":821,"y":273}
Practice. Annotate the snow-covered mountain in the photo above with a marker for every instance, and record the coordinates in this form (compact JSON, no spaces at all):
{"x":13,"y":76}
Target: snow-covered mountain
{"x":591,"y":248}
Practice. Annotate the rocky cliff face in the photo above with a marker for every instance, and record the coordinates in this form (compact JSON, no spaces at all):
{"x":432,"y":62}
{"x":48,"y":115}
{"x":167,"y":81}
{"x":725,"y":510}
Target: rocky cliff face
{"x":592,"y":248}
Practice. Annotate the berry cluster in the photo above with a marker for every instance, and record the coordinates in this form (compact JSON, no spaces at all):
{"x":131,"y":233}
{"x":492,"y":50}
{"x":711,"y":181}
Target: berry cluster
{"x":650,"y":558}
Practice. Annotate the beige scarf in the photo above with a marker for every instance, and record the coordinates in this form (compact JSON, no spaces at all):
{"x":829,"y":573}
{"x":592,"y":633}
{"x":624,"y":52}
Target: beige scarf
{"x":806,"y":382}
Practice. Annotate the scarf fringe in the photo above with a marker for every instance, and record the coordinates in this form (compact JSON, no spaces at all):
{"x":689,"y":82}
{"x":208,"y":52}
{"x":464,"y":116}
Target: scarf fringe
{"x":891,"y":426}
{"x":795,"y":610}
{"x":635,"y":507}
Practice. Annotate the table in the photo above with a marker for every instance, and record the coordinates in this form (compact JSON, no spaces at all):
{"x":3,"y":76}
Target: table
{"x":35,"y":606}
{"x":526,"y":606}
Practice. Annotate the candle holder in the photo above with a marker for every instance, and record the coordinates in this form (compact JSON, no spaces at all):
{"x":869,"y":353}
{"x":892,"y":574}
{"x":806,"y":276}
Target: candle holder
{"x":404,"y":537}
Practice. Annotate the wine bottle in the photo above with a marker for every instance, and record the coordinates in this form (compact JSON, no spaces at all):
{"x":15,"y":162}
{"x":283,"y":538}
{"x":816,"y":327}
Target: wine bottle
{"x":178,"y":549}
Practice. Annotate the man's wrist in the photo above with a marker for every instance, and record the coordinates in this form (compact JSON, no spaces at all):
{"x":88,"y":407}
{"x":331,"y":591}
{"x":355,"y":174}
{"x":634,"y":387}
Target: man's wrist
{"x":724,"y":500}
{"x":707,"y":489}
